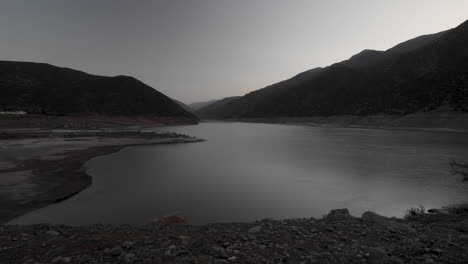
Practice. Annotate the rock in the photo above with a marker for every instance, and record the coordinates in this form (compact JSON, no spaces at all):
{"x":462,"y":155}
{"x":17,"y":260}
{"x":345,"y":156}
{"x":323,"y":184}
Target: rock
{"x":438,"y":211}
{"x":130,"y":257}
{"x":56,"y":251}
{"x":176,"y":218}
{"x":377,"y":256}
{"x":57,"y":260}
{"x":375,"y":218}
{"x":169,"y":252}
{"x":338,"y":214}
{"x":61,"y":260}
{"x":463,"y":226}
{"x":386,"y":222}
{"x":255,"y":229}
{"x":116,"y":251}
{"x":128,"y":244}
{"x":219,"y":251}
{"x":52,"y":233}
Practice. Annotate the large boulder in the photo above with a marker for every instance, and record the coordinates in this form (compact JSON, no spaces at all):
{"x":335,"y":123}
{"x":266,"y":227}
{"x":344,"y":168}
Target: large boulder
{"x":338,"y":214}
{"x":175,"y":218}
{"x":372,"y":217}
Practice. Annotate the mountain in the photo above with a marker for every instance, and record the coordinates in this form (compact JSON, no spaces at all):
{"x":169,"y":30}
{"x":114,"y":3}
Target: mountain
{"x":40,"y":88}
{"x":214,"y":106}
{"x":199,"y":105}
{"x":183,"y":105}
{"x":415,"y":43}
{"x":420,"y":74}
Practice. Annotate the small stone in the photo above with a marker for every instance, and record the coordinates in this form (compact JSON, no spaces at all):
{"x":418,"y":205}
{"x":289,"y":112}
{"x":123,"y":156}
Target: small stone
{"x":255,"y":229}
{"x":61,"y":260}
{"x":116,"y":251}
{"x":232,"y":258}
{"x":130,"y":257}
{"x":376,"y":255}
{"x":56,"y":251}
{"x":57,"y":260}
{"x":128,"y":244}
{"x":52,"y":233}
{"x":217,"y":249}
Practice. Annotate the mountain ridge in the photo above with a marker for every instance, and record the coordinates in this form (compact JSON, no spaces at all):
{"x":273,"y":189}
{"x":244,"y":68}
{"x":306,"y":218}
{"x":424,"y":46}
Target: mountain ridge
{"x":422,"y":73}
{"x":198,"y":105}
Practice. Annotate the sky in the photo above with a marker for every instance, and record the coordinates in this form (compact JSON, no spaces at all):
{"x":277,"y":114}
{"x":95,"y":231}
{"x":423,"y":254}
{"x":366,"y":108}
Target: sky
{"x":197,"y":50}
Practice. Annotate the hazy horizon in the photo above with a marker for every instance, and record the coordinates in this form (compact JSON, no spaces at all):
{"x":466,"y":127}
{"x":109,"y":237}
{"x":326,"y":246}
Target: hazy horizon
{"x":210,"y":49}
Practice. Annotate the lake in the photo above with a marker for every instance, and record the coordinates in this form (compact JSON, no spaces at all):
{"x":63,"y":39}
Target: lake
{"x":248,"y":171}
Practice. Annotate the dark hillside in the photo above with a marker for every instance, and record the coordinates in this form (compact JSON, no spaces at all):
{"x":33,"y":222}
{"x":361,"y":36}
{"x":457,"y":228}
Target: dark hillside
{"x":420,"y":74}
{"x":39,"y":88}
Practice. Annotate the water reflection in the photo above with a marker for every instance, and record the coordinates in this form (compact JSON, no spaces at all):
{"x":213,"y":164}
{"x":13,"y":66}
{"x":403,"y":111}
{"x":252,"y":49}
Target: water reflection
{"x":252,"y":171}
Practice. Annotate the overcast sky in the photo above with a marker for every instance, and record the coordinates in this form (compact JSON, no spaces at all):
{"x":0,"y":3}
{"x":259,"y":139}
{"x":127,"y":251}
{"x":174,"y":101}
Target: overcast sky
{"x":196,"y":50}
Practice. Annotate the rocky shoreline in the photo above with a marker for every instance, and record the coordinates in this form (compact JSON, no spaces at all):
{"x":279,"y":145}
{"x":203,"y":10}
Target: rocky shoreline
{"x":441,"y":237}
{"x":41,"y":167}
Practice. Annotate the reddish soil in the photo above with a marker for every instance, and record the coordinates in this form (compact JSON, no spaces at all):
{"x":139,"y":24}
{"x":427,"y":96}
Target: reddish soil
{"x":87,"y":121}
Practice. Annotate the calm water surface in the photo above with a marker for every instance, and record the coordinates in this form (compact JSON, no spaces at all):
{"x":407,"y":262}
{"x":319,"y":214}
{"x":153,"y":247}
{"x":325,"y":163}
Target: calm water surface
{"x":250,"y":171}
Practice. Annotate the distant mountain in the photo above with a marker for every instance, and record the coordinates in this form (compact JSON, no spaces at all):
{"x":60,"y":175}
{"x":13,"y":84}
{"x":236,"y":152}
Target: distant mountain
{"x":183,"y":105}
{"x":199,"y":105}
{"x":423,"y":73}
{"x":40,"y":88}
{"x":214,"y":106}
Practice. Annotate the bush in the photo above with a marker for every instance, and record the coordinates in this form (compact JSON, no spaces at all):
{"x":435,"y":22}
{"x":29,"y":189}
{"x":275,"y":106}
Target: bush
{"x":414,"y":212}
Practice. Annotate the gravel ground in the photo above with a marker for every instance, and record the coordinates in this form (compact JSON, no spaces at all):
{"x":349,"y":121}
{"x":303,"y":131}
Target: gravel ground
{"x":337,"y":238}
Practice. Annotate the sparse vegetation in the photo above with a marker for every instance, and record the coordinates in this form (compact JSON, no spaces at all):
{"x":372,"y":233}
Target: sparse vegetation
{"x":415,"y":212}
